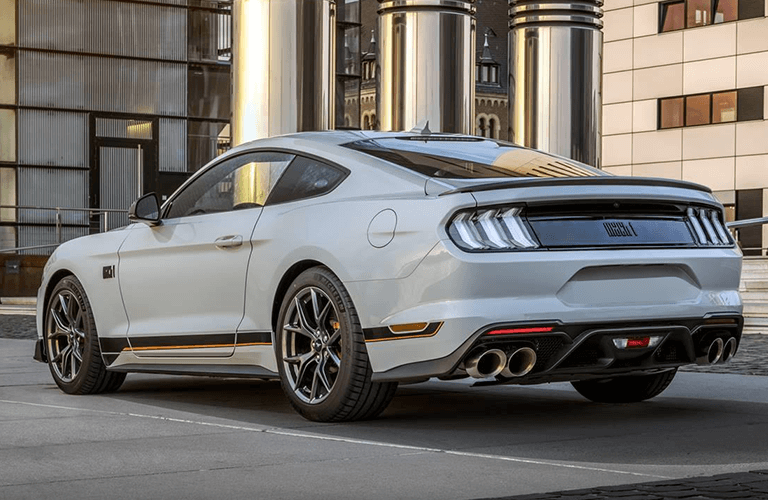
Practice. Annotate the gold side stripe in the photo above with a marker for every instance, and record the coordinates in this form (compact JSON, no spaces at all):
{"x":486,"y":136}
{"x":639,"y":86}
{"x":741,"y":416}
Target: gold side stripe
{"x":202,"y":346}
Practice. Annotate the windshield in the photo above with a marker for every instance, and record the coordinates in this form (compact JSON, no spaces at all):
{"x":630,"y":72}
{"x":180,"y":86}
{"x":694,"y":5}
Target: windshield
{"x":470,"y":158}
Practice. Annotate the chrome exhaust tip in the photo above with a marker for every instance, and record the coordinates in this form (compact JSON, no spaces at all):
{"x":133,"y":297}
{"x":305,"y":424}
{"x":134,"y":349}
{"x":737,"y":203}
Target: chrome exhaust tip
{"x":713,"y":354}
{"x":485,"y":364}
{"x":729,"y":349}
{"x":520,"y":363}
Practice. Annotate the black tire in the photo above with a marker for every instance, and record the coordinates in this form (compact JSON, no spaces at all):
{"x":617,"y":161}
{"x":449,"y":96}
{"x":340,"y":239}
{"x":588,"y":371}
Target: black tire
{"x":72,"y":344}
{"x":629,"y":389}
{"x":341,"y":387}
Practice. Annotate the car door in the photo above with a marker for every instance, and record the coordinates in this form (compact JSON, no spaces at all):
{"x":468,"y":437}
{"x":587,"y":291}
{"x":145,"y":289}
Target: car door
{"x":183,"y":281}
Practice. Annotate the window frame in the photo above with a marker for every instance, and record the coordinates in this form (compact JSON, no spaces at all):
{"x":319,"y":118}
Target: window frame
{"x":745,"y":9}
{"x":663,"y":6}
{"x":236,"y":154}
{"x":739,"y":98}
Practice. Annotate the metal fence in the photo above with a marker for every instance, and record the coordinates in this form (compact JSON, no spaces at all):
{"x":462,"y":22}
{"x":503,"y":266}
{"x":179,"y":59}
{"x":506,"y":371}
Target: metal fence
{"x":103,"y":215}
{"x":736,"y":226}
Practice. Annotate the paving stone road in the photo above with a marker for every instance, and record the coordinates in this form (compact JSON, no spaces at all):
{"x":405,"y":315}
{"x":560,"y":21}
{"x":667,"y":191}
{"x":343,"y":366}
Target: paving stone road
{"x":742,"y":485}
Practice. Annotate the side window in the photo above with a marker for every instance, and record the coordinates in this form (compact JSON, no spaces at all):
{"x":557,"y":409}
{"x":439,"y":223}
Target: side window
{"x":306,"y":178}
{"x":244,"y":181}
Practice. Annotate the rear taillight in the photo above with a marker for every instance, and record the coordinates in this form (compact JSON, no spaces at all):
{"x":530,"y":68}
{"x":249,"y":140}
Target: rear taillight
{"x":707,"y":227}
{"x":500,"y":229}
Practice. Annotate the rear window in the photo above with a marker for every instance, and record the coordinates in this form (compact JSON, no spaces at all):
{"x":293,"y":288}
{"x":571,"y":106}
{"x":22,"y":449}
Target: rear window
{"x":469,"y":158}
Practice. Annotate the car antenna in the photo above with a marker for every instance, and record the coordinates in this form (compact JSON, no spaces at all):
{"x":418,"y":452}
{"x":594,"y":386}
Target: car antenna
{"x":421,"y":128}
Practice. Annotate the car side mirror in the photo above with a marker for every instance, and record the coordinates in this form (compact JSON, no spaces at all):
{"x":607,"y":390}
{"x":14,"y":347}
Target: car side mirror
{"x":146,"y":209}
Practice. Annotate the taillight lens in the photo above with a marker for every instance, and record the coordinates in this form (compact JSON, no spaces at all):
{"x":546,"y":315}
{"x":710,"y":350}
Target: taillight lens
{"x":489,"y":229}
{"x":707,"y":227}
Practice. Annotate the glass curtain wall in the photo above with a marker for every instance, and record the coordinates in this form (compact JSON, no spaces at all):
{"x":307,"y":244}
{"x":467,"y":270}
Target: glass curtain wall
{"x":348,"y":64}
{"x":102,"y":99}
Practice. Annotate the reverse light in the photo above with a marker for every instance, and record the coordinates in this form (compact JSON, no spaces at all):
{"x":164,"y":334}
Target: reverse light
{"x":492,"y":229}
{"x":637,"y":342}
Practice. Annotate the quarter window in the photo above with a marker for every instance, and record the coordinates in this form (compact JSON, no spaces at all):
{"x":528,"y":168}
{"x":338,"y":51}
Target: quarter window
{"x":237,"y":183}
{"x":306,"y":178}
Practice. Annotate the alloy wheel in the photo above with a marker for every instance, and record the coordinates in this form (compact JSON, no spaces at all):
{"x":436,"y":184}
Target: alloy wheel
{"x":65,"y":335}
{"x":311,"y":345}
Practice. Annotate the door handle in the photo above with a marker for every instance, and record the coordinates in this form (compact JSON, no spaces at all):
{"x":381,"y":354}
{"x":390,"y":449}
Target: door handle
{"x":229,"y":241}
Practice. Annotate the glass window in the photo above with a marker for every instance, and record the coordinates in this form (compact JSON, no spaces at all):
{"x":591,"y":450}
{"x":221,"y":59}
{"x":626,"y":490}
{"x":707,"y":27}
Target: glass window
{"x":697,"y":110}
{"x":750,"y":104}
{"x":724,"y":107}
{"x":8,"y":22}
{"x":206,"y":141}
{"x":470,"y":158}
{"x":209,"y":91}
{"x":348,"y":11}
{"x":242,"y":182}
{"x":7,"y":76}
{"x":726,"y":11}
{"x":306,"y":178}
{"x":699,"y":13}
{"x":673,"y":16}
{"x":749,"y":9}
{"x":210,"y":36}
{"x":7,"y":135}
{"x":7,"y":194}
{"x":671,"y":113}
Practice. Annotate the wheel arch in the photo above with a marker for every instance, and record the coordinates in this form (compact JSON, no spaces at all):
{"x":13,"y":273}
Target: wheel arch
{"x":52,"y":282}
{"x":291,"y":274}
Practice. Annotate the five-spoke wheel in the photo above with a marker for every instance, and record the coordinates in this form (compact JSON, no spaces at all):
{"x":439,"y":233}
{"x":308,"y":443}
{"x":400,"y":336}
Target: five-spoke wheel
{"x":322,"y":359}
{"x":71,"y":342}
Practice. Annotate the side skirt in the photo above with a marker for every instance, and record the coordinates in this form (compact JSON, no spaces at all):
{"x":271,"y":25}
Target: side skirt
{"x":244,"y":371}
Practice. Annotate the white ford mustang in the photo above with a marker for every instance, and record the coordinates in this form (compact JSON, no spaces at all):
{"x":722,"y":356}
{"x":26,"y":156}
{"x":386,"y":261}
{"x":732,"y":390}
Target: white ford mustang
{"x":343,"y":263}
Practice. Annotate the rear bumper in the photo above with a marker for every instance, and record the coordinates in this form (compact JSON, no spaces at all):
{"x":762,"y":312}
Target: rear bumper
{"x":467,"y":292}
{"x":583,"y":351}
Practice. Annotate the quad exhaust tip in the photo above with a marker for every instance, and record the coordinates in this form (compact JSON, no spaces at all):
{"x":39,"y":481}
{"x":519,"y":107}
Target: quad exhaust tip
{"x":729,"y":349}
{"x":486,"y":364}
{"x":714,"y":352}
{"x":520,"y":363}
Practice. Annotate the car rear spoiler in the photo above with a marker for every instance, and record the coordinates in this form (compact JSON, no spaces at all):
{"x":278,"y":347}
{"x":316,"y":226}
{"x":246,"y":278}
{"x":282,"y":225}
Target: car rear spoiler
{"x":578,"y":181}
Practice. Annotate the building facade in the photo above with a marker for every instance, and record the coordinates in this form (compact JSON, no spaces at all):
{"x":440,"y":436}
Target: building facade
{"x":684,"y":97}
{"x":101,"y":100}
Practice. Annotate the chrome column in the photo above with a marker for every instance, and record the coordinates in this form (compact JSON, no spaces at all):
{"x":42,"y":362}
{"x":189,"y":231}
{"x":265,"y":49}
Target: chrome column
{"x":282,"y":67}
{"x":555,"y":65}
{"x":426,"y":56}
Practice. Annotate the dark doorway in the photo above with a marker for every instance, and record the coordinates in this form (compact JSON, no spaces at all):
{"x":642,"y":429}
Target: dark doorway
{"x":123,"y":166}
{"x":749,"y":205}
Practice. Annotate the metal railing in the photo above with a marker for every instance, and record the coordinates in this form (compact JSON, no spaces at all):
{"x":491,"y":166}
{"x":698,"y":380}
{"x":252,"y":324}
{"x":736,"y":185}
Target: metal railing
{"x":102,"y":213}
{"x":737,"y":225}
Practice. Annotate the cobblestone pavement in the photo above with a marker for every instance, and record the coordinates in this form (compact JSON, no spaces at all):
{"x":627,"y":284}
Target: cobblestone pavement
{"x":751,"y":359}
{"x":742,"y":485}
{"x":17,"y":327}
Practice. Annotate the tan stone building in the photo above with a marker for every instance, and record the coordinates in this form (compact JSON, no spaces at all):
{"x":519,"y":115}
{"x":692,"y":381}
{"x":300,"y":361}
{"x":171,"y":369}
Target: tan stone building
{"x":684,"y":97}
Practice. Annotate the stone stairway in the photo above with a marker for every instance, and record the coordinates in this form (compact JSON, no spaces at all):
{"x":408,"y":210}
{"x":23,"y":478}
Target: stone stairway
{"x":754,"y":294}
